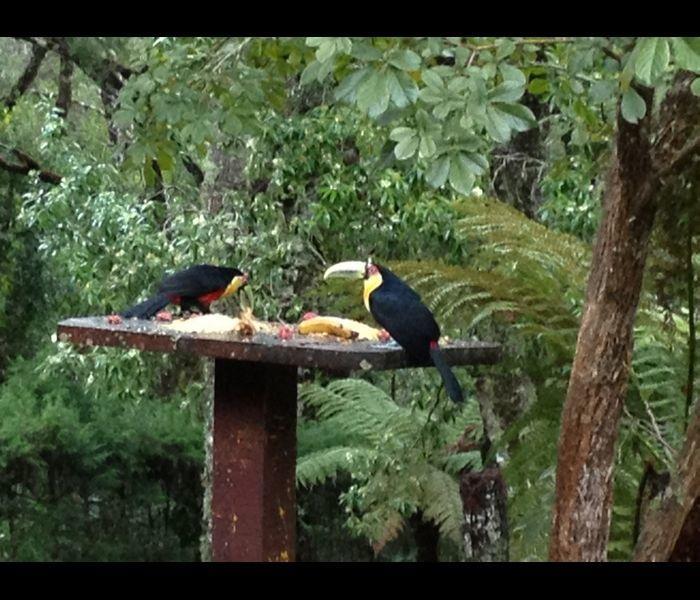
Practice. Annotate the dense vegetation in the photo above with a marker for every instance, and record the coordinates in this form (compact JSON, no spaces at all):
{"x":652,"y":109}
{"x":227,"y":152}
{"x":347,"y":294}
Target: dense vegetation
{"x":474,"y":167}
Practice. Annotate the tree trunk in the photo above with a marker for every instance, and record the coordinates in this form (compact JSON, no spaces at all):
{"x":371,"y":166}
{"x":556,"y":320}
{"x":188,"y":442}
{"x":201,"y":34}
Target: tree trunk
{"x":671,"y":531}
{"x":65,"y":91}
{"x":598,"y":382}
{"x":486,"y":525}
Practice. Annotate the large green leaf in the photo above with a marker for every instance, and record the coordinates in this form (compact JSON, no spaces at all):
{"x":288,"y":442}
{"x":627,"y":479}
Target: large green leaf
{"x":686,"y":53}
{"x":461,"y":178}
{"x":433,"y":80}
{"x":348,"y":86}
{"x":652,"y":59}
{"x":406,"y":60}
{"x":437,"y":174}
{"x":633,"y":106}
{"x":373,"y":95}
{"x":518,"y":116}
{"x":407,"y":147}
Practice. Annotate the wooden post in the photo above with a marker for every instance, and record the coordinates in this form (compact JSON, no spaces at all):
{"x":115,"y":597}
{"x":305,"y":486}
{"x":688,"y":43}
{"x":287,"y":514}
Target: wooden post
{"x":253,"y":496}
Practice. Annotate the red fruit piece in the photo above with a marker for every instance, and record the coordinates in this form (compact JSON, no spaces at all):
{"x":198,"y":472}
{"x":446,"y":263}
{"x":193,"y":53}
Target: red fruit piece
{"x":285,"y":332}
{"x":384,"y":335}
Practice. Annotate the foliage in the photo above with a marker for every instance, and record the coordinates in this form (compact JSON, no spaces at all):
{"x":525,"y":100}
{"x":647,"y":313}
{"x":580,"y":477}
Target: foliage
{"x":398,"y":456}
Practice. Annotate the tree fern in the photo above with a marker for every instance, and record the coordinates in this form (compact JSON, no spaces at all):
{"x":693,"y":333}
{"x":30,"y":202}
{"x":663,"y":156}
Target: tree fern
{"x":400,"y":460}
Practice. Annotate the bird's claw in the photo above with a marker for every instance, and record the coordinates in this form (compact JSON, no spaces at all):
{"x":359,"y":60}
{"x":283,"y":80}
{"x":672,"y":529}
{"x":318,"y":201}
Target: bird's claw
{"x":164,"y":315}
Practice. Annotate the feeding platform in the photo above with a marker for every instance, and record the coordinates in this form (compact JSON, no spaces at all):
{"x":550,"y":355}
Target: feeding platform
{"x":255,"y":409}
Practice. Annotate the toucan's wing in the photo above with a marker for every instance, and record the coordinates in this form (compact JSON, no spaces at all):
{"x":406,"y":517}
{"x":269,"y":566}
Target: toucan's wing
{"x":408,"y":321}
{"x":193,"y":282}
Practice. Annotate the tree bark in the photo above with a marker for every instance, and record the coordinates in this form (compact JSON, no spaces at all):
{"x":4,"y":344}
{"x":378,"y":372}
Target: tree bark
{"x":486,"y":524}
{"x":599,"y":376}
{"x":671,"y":531}
{"x":65,"y":91}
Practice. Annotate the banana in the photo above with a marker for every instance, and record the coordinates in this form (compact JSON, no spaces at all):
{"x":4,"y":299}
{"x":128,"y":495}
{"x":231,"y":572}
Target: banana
{"x":342,"y":328}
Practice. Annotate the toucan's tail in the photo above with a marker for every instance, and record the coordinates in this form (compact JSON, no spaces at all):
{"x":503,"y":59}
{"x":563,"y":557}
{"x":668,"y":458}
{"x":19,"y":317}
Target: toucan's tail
{"x":147,"y":308}
{"x":454,"y":391}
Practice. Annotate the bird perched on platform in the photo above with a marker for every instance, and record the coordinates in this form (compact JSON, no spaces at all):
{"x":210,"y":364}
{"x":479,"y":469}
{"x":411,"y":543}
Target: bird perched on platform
{"x":399,"y":310}
{"x":194,"y":287}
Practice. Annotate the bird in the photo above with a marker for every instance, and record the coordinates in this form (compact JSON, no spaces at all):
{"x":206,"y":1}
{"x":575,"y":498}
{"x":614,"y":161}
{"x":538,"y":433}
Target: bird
{"x":399,"y":309}
{"x":195,"y":287}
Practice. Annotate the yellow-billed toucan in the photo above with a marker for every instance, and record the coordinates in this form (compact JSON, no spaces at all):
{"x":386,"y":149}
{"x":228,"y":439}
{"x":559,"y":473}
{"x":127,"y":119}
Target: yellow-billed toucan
{"x":194,"y":287}
{"x":399,"y":310}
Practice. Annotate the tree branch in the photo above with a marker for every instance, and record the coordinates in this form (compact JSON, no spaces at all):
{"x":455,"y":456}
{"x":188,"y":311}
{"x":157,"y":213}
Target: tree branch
{"x":27,"y":164}
{"x":534,"y":41}
{"x":27,"y":77}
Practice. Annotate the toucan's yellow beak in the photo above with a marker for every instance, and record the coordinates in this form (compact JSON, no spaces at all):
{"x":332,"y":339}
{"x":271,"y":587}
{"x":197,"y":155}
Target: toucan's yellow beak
{"x":350,"y":269}
{"x":236,"y":284}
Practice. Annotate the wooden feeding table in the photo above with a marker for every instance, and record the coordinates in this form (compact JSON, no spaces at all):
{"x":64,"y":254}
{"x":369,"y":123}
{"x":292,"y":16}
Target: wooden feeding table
{"x":255,"y":407}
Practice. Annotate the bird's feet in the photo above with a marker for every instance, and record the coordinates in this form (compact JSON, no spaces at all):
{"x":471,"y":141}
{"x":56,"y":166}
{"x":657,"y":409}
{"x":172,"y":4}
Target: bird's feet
{"x":164,"y":315}
{"x":114,"y":319}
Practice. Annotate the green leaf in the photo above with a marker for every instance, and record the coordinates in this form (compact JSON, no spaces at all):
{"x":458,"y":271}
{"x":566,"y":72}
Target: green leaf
{"x":427,"y":147}
{"x":123,"y":117}
{"x":512,"y":74}
{"x":433,"y":80}
{"x":505,"y":48}
{"x":538,"y":86}
{"x":602,"y":90}
{"x":460,"y":177}
{"x":406,"y":60}
{"x":325,"y":51}
{"x":373,"y":95}
{"x":518,"y":116}
{"x":686,"y":53}
{"x":348,"y":86}
{"x":508,"y":91}
{"x":475,"y":163}
{"x":401,"y":133}
{"x":430,"y":96}
{"x":406,"y":148}
{"x":437,"y":174}
{"x":398,"y":96}
{"x":458,"y":85}
{"x":165,"y":160}
{"x":310,"y":73}
{"x":633,"y":106}
{"x":365,"y":51}
{"x":496,"y":125}
{"x":652,"y":59}
{"x":695,"y":87}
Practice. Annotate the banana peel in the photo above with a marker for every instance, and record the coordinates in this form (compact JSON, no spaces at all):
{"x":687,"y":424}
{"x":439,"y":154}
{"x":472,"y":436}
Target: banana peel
{"x":346,"y":329}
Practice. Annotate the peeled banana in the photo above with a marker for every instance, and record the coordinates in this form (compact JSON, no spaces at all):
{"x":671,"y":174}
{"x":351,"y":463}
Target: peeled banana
{"x":343,"y":328}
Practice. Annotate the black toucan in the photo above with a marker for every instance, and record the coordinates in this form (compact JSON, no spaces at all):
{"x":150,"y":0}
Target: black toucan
{"x":195,"y":287}
{"x":399,"y":310}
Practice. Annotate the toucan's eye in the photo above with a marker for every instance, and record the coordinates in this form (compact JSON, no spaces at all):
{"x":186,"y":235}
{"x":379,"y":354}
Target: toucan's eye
{"x":372,"y":270}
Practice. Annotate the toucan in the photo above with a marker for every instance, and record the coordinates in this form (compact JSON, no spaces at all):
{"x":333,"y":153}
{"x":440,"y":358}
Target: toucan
{"x":195,"y":287}
{"x":399,"y":310}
